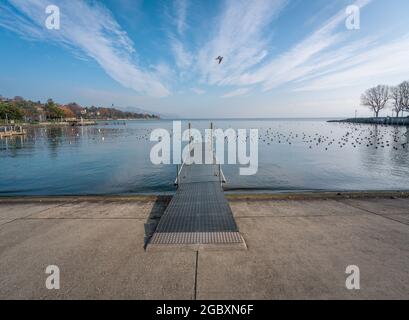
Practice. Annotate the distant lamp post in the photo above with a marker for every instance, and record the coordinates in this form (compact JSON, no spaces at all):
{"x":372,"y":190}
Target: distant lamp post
{"x":356,"y":113}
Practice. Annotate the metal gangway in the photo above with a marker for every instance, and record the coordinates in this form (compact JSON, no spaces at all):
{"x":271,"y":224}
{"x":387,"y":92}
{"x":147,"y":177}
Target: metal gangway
{"x":199,"y":212}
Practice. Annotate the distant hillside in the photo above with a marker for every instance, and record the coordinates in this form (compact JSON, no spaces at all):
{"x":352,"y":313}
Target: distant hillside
{"x":20,"y":109}
{"x":159,"y":115}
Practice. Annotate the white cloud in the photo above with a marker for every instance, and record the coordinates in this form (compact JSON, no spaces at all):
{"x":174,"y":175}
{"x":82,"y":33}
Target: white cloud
{"x":236,"y":93}
{"x":183,"y":58}
{"x":89,"y":28}
{"x":297,"y":62}
{"x":325,"y":59}
{"x":239,"y":38}
{"x":371,"y":65}
{"x":181,"y":7}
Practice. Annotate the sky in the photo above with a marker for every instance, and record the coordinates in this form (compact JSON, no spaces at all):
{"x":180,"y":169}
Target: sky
{"x":282,"y":58}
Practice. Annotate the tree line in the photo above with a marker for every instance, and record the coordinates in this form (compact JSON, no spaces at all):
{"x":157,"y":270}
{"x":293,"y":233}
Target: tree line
{"x":19,"y":109}
{"x":381,"y":97}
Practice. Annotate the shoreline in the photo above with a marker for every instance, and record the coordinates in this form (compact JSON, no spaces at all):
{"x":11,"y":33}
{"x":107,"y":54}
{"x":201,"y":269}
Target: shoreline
{"x":229,"y":196}
{"x":86,"y":122}
{"x":393,"y":121}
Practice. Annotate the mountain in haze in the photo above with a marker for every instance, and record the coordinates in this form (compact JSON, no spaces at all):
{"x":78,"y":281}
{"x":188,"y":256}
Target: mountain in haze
{"x":160,"y":115}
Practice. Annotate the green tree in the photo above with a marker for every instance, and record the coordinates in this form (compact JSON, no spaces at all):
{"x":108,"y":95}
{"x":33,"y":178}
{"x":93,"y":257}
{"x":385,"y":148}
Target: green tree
{"x":52,"y":111}
{"x":10,"y":112}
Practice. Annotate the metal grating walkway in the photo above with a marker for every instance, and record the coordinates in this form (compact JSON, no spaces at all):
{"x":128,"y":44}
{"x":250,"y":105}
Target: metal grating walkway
{"x":198,"y":213}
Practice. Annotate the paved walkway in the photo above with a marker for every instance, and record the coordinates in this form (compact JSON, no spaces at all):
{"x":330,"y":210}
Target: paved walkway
{"x":296,"y":249}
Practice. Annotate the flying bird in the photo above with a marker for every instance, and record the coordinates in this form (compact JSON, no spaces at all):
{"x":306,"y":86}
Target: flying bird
{"x":220,"y":59}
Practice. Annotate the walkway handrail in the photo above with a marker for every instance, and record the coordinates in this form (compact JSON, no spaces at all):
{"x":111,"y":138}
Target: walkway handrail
{"x":178,"y":173}
{"x":222,"y":177}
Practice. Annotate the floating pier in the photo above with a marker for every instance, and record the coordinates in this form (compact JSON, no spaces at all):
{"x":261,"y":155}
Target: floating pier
{"x":10,"y":131}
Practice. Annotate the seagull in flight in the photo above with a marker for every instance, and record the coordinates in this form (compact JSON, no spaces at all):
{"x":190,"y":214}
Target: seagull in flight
{"x":220,"y":59}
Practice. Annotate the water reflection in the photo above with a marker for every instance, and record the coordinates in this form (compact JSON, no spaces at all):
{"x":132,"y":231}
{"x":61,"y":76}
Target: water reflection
{"x":12,"y":144}
{"x":400,"y":159}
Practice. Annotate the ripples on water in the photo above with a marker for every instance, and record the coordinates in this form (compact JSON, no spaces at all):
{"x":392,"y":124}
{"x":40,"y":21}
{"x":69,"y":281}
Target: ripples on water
{"x":294,"y":155}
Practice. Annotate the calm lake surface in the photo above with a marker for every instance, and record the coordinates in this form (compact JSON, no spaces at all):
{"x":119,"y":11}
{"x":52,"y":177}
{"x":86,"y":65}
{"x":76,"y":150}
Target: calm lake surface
{"x":294,"y":155}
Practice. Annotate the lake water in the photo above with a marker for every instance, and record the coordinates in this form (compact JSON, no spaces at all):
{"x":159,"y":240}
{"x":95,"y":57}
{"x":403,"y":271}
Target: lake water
{"x":294,"y":155}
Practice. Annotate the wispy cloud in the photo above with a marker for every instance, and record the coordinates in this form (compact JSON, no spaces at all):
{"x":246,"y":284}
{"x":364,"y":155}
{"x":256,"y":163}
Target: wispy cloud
{"x":240,"y":37}
{"x":183,"y":58}
{"x":325,"y":58}
{"x":181,"y":7}
{"x":369,"y":65}
{"x":89,"y":28}
{"x":297,"y":62}
{"x":176,"y":28}
{"x":236,"y":93}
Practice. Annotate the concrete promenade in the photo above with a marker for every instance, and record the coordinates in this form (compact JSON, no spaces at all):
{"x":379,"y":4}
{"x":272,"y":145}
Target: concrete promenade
{"x":298,"y":247}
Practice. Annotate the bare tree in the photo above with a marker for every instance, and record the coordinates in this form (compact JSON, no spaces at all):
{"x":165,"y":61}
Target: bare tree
{"x":396,"y":95}
{"x":376,"y":98}
{"x":404,"y":89}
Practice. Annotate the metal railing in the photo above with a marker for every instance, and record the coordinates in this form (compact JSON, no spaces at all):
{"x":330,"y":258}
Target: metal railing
{"x":220,"y":174}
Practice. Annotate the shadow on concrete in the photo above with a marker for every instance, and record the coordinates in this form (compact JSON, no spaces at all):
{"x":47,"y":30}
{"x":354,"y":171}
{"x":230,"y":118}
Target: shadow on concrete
{"x":155,"y":215}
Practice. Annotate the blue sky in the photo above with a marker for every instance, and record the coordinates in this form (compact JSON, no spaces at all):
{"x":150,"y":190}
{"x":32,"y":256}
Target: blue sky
{"x":282,"y":58}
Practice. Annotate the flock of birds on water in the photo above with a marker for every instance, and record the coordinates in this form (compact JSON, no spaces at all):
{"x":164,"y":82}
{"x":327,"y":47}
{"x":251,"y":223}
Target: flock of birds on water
{"x":354,"y":136}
